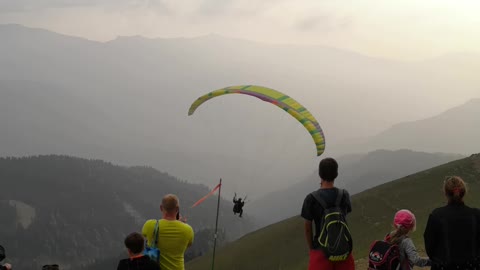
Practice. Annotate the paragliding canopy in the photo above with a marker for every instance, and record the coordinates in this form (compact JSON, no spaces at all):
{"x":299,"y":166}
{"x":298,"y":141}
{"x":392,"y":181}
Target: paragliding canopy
{"x":281,"y":100}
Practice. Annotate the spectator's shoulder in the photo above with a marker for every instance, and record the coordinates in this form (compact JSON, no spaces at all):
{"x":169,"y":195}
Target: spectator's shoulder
{"x":149,"y":225}
{"x":149,"y":222}
{"x":153,"y":265}
{"x":407,"y":241}
{"x":437,"y":211}
{"x":476,"y":212}
{"x":309,"y":197}
{"x":187,"y":226}
{"x":122,"y":264}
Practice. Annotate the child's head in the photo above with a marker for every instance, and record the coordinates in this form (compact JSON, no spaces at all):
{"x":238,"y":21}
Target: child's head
{"x":405,"y":220}
{"x":134,"y":243}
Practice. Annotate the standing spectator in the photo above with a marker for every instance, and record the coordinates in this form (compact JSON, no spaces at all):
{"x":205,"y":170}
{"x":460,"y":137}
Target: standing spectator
{"x":405,"y":222}
{"x":174,"y":236}
{"x":452,"y":234}
{"x":315,"y":206}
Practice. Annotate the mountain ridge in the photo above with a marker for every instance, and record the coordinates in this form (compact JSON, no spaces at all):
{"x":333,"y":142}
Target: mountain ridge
{"x":141,"y":93}
{"x":356,"y":173}
{"x":282,"y":245}
{"x":463,"y":55}
{"x":76,"y":211}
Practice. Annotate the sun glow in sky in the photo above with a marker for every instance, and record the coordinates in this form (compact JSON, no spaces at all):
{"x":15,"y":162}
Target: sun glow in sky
{"x":399,"y":29}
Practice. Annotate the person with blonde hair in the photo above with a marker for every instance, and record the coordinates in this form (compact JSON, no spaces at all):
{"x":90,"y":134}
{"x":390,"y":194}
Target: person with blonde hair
{"x":174,"y":236}
{"x":405,"y":222}
{"x":452,"y":234}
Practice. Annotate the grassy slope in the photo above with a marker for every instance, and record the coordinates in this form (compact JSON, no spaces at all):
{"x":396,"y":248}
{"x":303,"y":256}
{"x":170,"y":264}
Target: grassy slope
{"x":282,"y":245}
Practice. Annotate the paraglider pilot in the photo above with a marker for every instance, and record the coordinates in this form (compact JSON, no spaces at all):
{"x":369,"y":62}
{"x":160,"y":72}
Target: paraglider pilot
{"x":238,"y":207}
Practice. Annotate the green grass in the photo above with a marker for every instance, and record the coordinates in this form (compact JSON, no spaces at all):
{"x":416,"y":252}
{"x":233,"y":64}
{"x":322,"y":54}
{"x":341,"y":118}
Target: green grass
{"x":282,"y":245}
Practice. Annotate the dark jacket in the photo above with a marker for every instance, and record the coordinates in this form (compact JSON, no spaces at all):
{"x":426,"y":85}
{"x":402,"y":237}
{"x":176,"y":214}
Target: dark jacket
{"x":140,"y":263}
{"x":452,"y":236}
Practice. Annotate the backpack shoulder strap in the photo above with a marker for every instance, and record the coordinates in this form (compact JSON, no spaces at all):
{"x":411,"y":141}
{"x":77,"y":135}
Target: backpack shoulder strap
{"x":339,"y":197}
{"x":155,"y":233}
{"x":319,"y":199}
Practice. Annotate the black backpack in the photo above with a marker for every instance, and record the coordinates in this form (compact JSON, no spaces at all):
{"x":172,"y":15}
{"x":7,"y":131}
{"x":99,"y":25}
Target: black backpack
{"x":383,"y":256}
{"x":335,"y":239}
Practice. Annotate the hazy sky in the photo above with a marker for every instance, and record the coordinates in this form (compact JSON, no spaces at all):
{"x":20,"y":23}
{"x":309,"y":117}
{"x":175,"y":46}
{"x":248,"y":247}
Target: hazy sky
{"x":401,"y":29}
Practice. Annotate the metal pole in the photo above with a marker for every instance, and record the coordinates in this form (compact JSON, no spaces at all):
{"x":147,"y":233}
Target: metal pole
{"x":216,"y":225}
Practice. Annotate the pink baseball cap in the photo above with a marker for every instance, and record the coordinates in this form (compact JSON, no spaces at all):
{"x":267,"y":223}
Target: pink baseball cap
{"x":406,"y":219}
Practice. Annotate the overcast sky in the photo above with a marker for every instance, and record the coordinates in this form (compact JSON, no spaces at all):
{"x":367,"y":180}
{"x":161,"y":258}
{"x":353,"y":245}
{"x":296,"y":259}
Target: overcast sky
{"x":401,"y":29}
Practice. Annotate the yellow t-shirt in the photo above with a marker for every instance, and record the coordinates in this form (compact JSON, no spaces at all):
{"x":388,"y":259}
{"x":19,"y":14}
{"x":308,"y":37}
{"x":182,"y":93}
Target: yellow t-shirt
{"x":173,"y":239}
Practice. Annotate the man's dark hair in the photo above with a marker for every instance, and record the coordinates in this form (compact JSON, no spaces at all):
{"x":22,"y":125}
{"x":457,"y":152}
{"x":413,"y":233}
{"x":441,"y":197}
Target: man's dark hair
{"x":135,"y":243}
{"x":328,"y":169}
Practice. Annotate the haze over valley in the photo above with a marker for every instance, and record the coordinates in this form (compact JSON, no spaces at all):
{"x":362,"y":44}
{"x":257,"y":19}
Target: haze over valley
{"x":94,"y":124}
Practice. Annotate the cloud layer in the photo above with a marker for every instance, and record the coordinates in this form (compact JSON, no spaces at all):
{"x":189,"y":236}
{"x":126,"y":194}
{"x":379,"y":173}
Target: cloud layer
{"x":399,"y":29}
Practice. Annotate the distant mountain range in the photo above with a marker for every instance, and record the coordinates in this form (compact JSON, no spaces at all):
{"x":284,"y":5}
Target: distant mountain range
{"x":282,"y":245}
{"x":76,"y":212}
{"x":454,"y":131}
{"x":356,"y":173}
{"x":126,"y":101}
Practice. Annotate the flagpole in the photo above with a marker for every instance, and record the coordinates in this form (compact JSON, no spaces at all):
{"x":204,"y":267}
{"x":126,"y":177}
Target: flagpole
{"x":216,"y":225}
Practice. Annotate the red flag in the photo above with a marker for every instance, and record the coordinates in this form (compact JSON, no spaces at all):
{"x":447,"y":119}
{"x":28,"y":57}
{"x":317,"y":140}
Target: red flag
{"x":206,"y":196}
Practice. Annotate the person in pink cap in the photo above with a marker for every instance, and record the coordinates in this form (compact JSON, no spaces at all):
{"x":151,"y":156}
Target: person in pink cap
{"x":404,"y":222}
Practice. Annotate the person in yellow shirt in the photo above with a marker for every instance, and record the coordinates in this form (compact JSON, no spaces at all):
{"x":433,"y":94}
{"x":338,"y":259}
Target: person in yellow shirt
{"x":174,"y":236}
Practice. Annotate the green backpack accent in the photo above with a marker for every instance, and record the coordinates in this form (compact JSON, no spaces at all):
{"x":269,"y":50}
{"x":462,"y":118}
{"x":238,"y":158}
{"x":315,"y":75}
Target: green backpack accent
{"x":335,"y":239}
